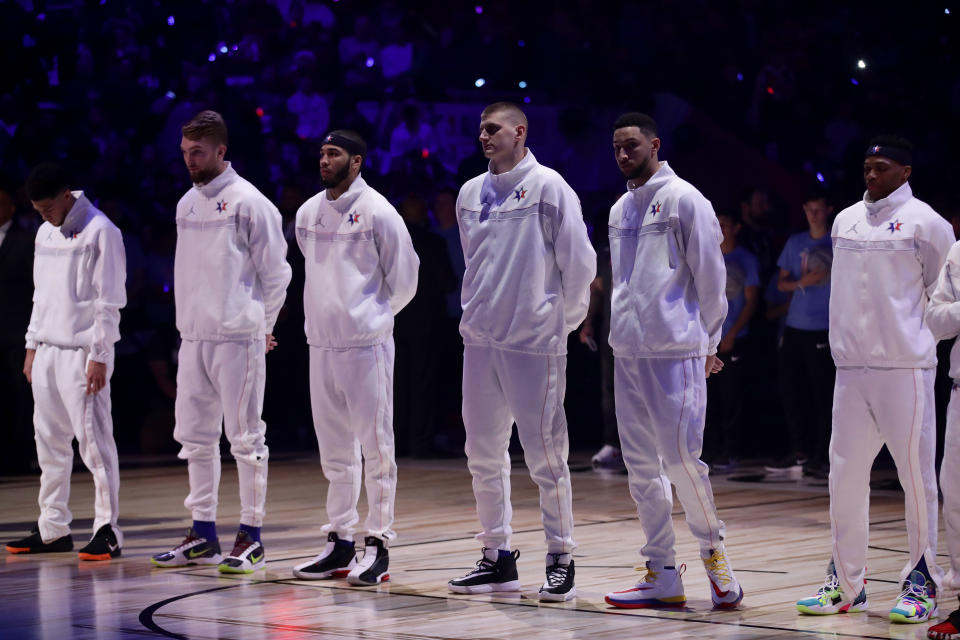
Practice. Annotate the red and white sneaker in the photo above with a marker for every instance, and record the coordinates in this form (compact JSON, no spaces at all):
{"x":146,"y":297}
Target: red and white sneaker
{"x":661,"y":587}
{"x":949,"y":629}
{"x":725,"y":591}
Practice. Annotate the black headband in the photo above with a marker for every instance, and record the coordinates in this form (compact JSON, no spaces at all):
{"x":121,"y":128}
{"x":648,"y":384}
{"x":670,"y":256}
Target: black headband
{"x":353,"y":147}
{"x":897,"y":154}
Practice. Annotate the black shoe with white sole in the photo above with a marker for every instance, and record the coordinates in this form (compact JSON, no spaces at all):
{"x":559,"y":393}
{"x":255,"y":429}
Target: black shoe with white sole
{"x":490,"y":575}
{"x":335,"y":561}
{"x":373,"y":567}
{"x":559,"y":585}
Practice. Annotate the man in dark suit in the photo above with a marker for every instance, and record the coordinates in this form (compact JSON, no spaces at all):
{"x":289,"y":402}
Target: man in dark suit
{"x":16,"y":294}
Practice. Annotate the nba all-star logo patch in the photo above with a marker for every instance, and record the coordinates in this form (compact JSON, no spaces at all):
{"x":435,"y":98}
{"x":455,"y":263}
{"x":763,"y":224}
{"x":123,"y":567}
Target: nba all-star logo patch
{"x":895,"y":226}
{"x":353,"y":218}
{"x":221,"y":206}
{"x":655,"y":207}
{"x":520,"y":193}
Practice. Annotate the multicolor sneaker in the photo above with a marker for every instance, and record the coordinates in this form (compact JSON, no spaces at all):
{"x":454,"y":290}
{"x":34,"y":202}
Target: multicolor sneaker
{"x":559,"y":586}
{"x":725,"y":591}
{"x":102,"y":546}
{"x":493,"y":573}
{"x":949,"y":629}
{"x":247,"y":556}
{"x":373,"y":567}
{"x":661,"y":587}
{"x":829,"y":598}
{"x":917,"y":602}
{"x":335,"y":561}
{"x":193,"y":550}
{"x":33,"y":543}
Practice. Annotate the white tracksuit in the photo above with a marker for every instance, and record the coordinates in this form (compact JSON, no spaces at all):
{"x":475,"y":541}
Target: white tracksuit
{"x":887,"y":256}
{"x":667,"y":308}
{"x":943,"y":318}
{"x":361,"y":270}
{"x":230,"y":281}
{"x":529,"y":265}
{"x":79,"y":275}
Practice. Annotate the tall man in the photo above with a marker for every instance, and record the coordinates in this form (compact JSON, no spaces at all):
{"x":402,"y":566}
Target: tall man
{"x":669,"y":304}
{"x":529,"y":264}
{"x":79,"y":273}
{"x":887,"y":253}
{"x":230,"y":280}
{"x":361,"y":270}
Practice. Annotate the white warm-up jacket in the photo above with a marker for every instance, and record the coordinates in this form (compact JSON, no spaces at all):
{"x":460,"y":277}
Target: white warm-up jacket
{"x":79,"y":277}
{"x":361,"y":268}
{"x":669,"y":280}
{"x":943,"y":310}
{"x":887,"y":256}
{"x":230,"y":272}
{"x":529,"y":262}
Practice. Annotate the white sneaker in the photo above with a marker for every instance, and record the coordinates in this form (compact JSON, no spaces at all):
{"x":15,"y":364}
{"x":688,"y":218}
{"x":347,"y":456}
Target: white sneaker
{"x":373,"y":568}
{"x":247,"y":556}
{"x":335,"y":561}
{"x":609,"y":457}
{"x":725,"y":591}
{"x":661,"y":587}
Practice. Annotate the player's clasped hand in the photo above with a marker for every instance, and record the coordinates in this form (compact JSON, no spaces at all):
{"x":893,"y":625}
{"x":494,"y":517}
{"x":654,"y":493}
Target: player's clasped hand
{"x":96,"y":377}
{"x":714,"y":365}
{"x":271,"y":343}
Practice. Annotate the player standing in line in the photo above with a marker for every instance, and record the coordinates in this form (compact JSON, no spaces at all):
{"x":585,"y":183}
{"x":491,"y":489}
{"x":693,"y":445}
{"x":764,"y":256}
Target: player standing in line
{"x":669,"y":304}
{"x":529,"y":264}
{"x":79,"y":275}
{"x":361,"y":270}
{"x":231,"y":277}
{"x":887,"y":253}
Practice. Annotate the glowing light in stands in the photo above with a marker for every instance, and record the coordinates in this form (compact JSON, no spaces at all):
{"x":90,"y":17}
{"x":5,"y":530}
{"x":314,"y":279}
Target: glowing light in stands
{"x":479,"y":82}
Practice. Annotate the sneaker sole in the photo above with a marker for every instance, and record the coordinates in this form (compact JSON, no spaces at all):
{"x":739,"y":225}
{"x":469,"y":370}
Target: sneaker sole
{"x":513,"y":585}
{"x":323,"y":575}
{"x":99,"y":556}
{"x":357,"y":582}
{"x":33,"y":550}
{"x":896,"y":617}
{"x":857,"y":608}
{"x":19,"y":549}
{"x":546,"y":596}
{"x":222,"y":568}
{"x":213,"y":560}
{"x":646,"y":604}
{"x":729,"y":605}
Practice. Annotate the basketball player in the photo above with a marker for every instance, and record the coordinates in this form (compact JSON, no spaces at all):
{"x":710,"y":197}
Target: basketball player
{"x":887,"y":253}
{"x":669,"y":304}
{"x":529,"y":264}
{"x":79,"y":275}
{"x":231,"y":277}
{"x":361,"y":270}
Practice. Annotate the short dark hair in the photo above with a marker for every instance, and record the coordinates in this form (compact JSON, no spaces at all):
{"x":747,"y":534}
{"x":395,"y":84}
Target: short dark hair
{"x":642,"y":121}
{"x":47,"y":180}
{"x":507,"y":107}
{"x":206,"y":124}
{"x":816,"y":195}
{"x":729,"y":212}
{"x":354,"y":137}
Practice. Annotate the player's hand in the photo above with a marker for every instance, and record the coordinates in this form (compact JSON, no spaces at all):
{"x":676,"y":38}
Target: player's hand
{"x":271,"y":343}
{"x":28,"y":365}
{"x":714,"y":365}
{"x":96,"y":377}
{"x":586,"y":332}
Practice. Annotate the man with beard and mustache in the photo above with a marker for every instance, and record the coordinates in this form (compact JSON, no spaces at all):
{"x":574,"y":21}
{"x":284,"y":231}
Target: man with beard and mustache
{"x":668,"y":306}
{"x":361,"y":270}
{"x":230,"y":281}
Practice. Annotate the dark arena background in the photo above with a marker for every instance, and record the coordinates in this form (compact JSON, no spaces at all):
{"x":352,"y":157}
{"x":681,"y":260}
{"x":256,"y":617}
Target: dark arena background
{"x":759,"y":105}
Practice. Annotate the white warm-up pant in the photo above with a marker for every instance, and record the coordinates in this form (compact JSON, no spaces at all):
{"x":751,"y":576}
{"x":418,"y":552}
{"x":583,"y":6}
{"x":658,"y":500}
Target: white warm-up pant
{"x":63,"y":410}
{"x":351,"y":393}
{"x":661,"y":409}
{"x":950,"y":481}
{"x":499,"y":388}
{"x":221,"y":383}
{"x":873,"y":407}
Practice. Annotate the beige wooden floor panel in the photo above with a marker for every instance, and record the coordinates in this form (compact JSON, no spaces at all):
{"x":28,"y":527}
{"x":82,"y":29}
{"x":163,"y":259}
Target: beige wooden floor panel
{"x":778,"y":539}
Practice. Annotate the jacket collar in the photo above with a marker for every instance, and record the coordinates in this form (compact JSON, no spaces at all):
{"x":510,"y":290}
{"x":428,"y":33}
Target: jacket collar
{"x":497,"y":187}
{"x":215,"y":186}
{"x":349,"y":197}
{"x":662,"y":176}
{"x":885,"y":207}
{"x":77,"y":216}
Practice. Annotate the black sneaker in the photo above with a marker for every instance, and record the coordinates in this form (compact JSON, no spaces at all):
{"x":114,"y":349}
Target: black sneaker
{"x":559,"y":585}
{"x":102,"y":546}
{"x":33,"y":543}
{"x":247,"y":556}
{"x":372,"y":568}
{"x":193,"y":550}
{"x":490,"y":575}
{"x":788,"y":464}
{"x":335,"y":561}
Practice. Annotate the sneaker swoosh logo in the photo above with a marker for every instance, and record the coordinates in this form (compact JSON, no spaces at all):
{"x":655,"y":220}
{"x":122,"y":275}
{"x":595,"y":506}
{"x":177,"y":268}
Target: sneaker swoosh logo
{"x":255,"y":559}
{"x":716,"y":589}
{"x":113,"y":547}
{"x":194,"y":553}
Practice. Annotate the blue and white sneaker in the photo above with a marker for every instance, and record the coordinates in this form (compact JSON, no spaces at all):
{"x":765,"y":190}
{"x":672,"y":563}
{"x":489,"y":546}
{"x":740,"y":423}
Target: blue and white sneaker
{"x":193,"y":550}
{"x":660,"y":587}
{"x":829,"y":599}
{"x":247,"y":556}
{"x":917,"y":602}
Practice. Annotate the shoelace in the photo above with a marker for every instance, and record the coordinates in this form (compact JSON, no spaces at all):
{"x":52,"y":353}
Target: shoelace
{"x":557,"y":575}
{"x":483,"y":564}
{"x":915,"y":591}
{"x":186,"y":543}
{"x":717,"y":565}
{"x":832,"y":583}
